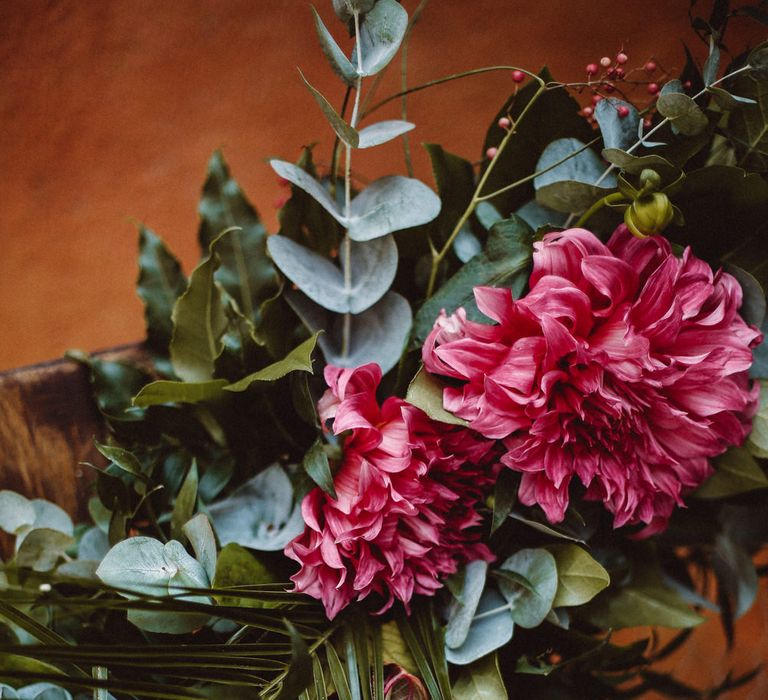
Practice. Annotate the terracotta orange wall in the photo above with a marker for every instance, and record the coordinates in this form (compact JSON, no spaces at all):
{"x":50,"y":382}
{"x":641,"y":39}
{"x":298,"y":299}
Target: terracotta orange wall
{"x":109,"y":110}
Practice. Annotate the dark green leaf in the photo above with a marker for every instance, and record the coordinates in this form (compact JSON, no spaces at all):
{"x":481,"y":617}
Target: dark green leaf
{"x":245,"y":271}
{"x":316,"y":464}
{"x":504,"y":498}
{"x":160,"y":284}
{"x":504,"y":262}
{"x":167,"y":391}
{"x":736,"y":574}
{"x":455,"y":180}
{"x":579,"y":577}
{"x":339,"y":62}
{"x":185,"y":503}
{"x":481,"y":681}
{"x":338,"y":676}
{"x":344,"y":131}
{"x":684,"y":114}
{"x":636,"y":164}
{"x":123,"y":459}
{"x":736,"y":472}
{"x":236,"y":566}
{"x":753,"y":303}
{"x":554,"y":115}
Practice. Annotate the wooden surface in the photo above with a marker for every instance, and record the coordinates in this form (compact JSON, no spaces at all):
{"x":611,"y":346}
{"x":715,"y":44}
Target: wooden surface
{"x":48,"y":422}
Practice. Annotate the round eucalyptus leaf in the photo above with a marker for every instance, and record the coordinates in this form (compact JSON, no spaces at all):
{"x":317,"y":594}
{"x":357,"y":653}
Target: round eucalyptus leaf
{"x":16,"y":511}
{"x":461,"y":610}
{"x":41,"y":691}
{"x":492,"y":627}
{"x":93,"y":545}
{"x":42,"y":548}
{"x":391,"y":204}
{"x":570,"y":186}
{"x":381,"y":33}
{"x":682,"y":112}
{"x":381,"y":132}
{"x":344,"y":9}
{"x":530,"y":605}
{"x":261,"y":514}
{"x":617,"y":131}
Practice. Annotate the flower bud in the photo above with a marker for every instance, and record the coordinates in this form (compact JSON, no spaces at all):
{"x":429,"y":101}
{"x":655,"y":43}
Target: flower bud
{"x":649,"y":215}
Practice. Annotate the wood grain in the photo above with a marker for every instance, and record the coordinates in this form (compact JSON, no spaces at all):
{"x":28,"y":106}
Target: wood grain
{"x":48,"y":422}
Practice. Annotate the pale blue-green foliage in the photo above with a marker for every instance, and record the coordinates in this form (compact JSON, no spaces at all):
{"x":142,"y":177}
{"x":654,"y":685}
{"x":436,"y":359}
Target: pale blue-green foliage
{"x":261,"y":514}
{"x":617,"y":131}
{"x":41,"y":691}
{"x":461,"y":609}
{"x":684,"y":114}
{"x":570,"y":186}
{"x":491,"y":628}
{"x":373,"y":266}
{"x":530,"y":602}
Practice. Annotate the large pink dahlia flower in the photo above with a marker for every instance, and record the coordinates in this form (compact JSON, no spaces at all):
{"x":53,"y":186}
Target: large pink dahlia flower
{"x":407,"y":492}
{"x":624,"y":366}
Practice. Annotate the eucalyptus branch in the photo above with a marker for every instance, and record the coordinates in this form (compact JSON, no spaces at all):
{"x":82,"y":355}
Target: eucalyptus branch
{"x":477,"y":197}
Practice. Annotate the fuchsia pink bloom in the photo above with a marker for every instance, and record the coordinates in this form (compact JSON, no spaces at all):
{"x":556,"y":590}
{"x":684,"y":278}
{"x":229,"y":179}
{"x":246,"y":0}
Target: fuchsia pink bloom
{"x":407,"y":491}
{"x":623,"y":366}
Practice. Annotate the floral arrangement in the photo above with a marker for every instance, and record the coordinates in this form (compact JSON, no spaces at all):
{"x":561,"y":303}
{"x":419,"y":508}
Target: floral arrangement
{"x":424,"y":444}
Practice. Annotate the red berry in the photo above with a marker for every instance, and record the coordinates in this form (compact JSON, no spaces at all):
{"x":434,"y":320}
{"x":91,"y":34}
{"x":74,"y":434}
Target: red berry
{"x":490,"y":154}
{"x":608,"y":88}
{"x":587,"y":111}
{"x":650,"y":66}
{"x":596,"y":99}
{"x":612,"y":73}
{"x":592,"y":69}
{"x":504,"y":123}
{"x":620,"y":73}
{"x":518,"y":76}
{"x":621,"y":58}
{"x":605,"y":61}
{"x":687,"y":85}
{"x":623,"y":111}
{"x":647,"y":121}
{"x":653,"y":88}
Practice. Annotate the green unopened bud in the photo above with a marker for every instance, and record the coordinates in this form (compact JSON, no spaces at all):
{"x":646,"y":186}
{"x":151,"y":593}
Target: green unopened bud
{"x":649,"y":215}
{"x":650,"y":180}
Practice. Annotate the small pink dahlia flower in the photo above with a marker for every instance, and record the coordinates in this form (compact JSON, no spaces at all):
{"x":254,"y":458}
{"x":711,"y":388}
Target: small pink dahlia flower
{"x":624,"y":366}
{"x":407,"y":491}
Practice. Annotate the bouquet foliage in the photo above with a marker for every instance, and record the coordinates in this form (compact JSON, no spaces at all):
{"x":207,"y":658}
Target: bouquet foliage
{"x":424,"y":444}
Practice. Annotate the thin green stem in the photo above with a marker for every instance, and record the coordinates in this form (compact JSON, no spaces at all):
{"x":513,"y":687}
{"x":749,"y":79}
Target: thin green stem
{"x":446,"y":79}
{"x":437,"y":257}
{"x":612,"y":198}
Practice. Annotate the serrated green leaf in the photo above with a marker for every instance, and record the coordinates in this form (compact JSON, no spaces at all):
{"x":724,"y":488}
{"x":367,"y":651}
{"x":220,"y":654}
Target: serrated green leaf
{"x":736,"y":472}
{"x":167,"y":391}
{"x":426,"y":392}
{"x":298,"y":360}
{"x":316,"y":465}
{"x":481,"y":681}
{"x":244,"y":269}
{"x":160,"y":284}
{"x":504,"y":262}
{"x":579,"y":577}
{"x":185,"y":503}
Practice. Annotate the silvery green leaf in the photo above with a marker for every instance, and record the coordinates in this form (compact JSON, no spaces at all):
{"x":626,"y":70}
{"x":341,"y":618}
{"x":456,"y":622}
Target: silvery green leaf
{"x":189,"y":573}
{"x":41,"y":691}
{"x":296,"y":176}
{"x":261,"y":514}
{"x":461,"y":610}
{"x":42,"y":548}
{"x":536,"y":215}
{"x":93,"y":545}
{"x":727,"y":101}
{"x":384,"y":131}
{"x":391,"y":204}
{"x":381,"y":33}
{"x":487,"y":215}
{"x":683,"y":113}
{"x":49,"y":515}
{"x":672,"y":86}
{"x":617,"y":131}
{"x":636,"y":164}
{"x":339,"y":62}
{"x":491,"y":628}
{"x":344,"y":9}
{"x":377,"y":335}
{"x":709,"y":73}
{"x":79,"y":568}
{"x":7,"y":692}
{"x":199,"y":532}
{"x":736,"y":574}
{"x":373,"y":265}
{"x":466,"y":244}
{"x":16,"y":511}
{"x":529,"y":607}
{"x":570,"y":186}
{"x":138,"y":564}
{"x":343,"y":130}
